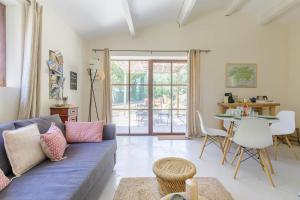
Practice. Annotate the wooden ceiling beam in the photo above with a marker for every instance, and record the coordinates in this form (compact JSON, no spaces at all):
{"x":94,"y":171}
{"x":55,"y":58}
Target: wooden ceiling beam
{"x":235,"y":6}
{"x":128,"y":17}
{"x":185,"y":11}
{"x":278,"y":10}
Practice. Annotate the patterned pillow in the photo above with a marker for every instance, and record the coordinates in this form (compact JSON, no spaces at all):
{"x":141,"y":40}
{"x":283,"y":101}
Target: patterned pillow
{"x":53,"y":143}
{"x":84,"y":131}
{"x":4,"y":181}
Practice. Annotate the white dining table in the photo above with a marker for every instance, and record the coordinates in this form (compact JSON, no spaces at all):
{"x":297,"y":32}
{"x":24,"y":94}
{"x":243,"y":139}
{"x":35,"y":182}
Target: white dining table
{"x":269,"y":119}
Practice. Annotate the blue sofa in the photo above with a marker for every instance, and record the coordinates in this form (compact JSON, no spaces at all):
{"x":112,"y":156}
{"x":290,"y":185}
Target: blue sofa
{"x":81,"y":176}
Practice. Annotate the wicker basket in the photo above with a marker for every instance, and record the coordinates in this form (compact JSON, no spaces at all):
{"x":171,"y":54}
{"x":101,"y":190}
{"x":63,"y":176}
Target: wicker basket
{"x":171,"y":174}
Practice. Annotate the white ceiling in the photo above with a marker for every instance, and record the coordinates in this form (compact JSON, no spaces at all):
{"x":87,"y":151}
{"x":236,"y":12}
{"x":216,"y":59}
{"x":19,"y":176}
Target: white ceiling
{"x":92,"y":18}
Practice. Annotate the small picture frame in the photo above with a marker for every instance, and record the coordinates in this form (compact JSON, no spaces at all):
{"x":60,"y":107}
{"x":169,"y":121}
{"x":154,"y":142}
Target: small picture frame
{"x":73,"y":80}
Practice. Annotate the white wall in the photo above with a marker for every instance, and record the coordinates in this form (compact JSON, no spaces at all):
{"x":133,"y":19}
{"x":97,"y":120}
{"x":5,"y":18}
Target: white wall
{"x":232,"y":39}
{"x":57,"y":35}
{"x":294,"y":71}
{"x":9,"y":100}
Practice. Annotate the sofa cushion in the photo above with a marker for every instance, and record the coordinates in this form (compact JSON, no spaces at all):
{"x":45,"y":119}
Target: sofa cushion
{"x":4,"y":162}
{"x":54,"y":143}
{"x":23,"y":148}
{"x":84,"y":132}
{"x":69,"y":179}
{"x":43,"y":123}
{"x":4,"y":181}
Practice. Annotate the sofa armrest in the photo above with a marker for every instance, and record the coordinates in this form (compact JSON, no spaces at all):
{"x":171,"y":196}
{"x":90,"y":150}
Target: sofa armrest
{"x":109,"y":132}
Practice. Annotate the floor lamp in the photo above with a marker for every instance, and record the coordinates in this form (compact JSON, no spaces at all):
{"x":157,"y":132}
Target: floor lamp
{"x":92,"y":77}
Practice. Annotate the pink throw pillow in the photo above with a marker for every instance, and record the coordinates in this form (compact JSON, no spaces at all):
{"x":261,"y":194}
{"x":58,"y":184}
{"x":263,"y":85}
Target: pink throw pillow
{"x":53,"y":143}
{"x":84,"y":131}
{"x":4,"y":181}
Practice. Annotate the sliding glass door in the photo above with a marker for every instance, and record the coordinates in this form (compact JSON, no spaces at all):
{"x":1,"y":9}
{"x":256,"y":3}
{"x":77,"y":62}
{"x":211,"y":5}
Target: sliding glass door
{"x":149,"y":96}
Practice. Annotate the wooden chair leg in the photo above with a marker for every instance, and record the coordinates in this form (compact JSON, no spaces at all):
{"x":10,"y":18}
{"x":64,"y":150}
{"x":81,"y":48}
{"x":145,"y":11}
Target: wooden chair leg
{"x":261,"y":164}
{"x":266,"y":168}
{"x":225,"y":151}
{"x":203,"y":146}
{"x":268,"y":160}
{"x":291,"y":147}
{"x":238,"y":163}
{"x":221,"y":145}
{"x":227,"y":142}
{"x":275,"y":146}
{"x":236,"y":154}
{"x":224,"y":142}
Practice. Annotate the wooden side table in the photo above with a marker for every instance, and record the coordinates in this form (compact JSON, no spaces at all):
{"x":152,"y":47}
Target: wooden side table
{"x":66,"y":113}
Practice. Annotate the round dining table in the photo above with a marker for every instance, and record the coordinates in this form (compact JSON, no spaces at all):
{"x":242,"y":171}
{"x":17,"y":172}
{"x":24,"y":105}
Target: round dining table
{"x":234,"y":120}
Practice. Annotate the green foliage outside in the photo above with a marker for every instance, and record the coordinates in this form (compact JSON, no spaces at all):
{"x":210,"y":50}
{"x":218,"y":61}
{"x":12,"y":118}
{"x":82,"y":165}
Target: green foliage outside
{"x":139,"y":93}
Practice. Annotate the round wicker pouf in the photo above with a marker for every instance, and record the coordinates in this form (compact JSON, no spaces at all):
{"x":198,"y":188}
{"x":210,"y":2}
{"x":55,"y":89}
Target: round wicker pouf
{"x":171,"y":174}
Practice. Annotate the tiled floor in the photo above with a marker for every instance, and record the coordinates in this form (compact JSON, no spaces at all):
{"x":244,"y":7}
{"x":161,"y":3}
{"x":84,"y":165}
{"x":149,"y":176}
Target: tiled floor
{"x":136,"y":155}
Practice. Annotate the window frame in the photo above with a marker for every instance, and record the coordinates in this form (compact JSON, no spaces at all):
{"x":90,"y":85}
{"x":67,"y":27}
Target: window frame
{"x":150,"y":85}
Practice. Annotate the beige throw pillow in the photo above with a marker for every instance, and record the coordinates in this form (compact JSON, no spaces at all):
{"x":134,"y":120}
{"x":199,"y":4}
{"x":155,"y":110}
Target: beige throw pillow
{"x":23,"y":148}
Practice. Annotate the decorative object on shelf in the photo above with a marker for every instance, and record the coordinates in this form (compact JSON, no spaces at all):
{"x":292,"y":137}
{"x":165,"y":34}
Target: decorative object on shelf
{"x":73,"y":80}
{"x":65,"y":100}
{"x":228,"y":98}
{"x":241,"y":75}
{"x":56,"y":75}
{"x":253,"y":100}
{"x":66,"y":113}
{"x":94,"y":73}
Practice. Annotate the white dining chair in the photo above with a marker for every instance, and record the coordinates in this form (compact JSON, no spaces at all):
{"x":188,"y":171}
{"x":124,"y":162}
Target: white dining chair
{"x":283,"y":128}
{"x":254,"y":133}
{"x":214,"y":136}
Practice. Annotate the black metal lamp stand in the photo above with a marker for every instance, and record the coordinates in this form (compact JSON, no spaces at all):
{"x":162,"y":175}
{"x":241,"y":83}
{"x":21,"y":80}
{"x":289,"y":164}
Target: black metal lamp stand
{"x":92,"y":94}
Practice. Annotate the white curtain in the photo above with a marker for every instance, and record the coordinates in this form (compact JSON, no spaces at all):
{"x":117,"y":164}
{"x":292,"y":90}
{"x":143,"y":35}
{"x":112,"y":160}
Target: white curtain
{"x":193,"y":93}
{"x":105,"y":90}
{"x":30,"y":85}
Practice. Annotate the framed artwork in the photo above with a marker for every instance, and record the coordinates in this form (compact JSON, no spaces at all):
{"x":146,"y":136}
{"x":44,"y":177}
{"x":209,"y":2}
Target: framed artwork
{"x":73,"y":80}
{"x":56,"y":74}
{"x":241,"y":75}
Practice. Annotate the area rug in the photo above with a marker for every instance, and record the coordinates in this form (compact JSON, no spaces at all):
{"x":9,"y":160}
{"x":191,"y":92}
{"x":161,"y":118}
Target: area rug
{"x":147,"y":189}
{"x":172,"y":137}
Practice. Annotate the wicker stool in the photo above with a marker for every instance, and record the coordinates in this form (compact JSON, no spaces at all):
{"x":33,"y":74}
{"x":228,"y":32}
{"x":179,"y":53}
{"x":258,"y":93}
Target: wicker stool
{"x":171,"y":174}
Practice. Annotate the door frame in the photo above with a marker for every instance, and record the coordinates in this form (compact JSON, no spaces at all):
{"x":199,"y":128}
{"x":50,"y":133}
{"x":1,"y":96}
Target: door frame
{"x":150,"y":86}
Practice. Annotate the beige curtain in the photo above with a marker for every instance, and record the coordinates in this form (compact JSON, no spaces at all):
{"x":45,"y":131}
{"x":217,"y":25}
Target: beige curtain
{"x":105,"y":91}
{"x":30,"y":85}
{"x":193,"y":93}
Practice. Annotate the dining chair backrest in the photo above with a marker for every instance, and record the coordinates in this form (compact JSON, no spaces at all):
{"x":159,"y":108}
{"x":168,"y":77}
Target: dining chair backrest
{"x":202,"y":126}
{"x":230,"y":111}
{"x":253,"y":133}
{"x":286,"y":124}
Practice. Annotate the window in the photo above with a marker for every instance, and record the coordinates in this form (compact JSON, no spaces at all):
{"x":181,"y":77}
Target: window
{"x":149,"y":96}
{"x":2,"y":45}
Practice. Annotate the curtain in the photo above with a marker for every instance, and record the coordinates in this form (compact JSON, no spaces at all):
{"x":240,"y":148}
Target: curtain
{"x":105,"y":90}
{"x":193,"y":93}
{"x":30,"y":84}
